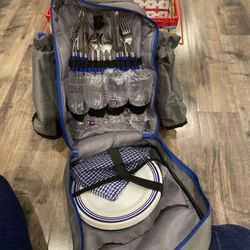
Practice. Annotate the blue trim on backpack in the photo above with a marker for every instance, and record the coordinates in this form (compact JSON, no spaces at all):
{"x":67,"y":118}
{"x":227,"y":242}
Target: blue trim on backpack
{"x":58,"y":84}
{"x":195,"y":179}
{"x":74,"y":204}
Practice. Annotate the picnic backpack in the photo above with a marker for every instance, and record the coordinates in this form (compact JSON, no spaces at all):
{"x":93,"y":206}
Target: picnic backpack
{"x":183,"y":218}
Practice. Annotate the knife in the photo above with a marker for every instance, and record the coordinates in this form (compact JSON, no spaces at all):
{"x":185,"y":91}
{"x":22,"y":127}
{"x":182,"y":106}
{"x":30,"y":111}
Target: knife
{"x":118,"y":46}
{"x":75,"y":33}
{"x":85,"y":38}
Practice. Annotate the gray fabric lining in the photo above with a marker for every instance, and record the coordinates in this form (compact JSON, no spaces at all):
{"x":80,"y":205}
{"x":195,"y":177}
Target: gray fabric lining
{"x":64,"y":18}
{"x":170,"y":212}
{"x":172,"y":226}
{"x":134,"y":23}
{"x":118,"y":4}
{"x":96,"y":144}
{"x":186,"y":180}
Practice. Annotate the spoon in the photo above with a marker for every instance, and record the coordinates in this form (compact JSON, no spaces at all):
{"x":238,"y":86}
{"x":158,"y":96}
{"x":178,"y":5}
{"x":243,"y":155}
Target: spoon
{"x":94,"y":47}
{"x":107,"y":43}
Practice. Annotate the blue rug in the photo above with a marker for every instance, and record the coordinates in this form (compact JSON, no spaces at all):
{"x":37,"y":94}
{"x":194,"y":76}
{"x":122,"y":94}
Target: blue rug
{"x":230,"y":237}
{"x":13,"y":230}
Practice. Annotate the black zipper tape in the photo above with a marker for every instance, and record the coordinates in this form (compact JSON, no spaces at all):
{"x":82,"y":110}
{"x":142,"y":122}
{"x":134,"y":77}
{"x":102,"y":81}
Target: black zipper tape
{"x":127,"y":63}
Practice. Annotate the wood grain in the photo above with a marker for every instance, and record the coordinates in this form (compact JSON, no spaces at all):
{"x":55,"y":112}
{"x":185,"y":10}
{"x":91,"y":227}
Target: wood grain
{"x":60,"y":227}
{"x":7,"y":12}
{"x":214,"y":70}
{"x":15,"y":40}
{"x":236,"y":54}
{"x":218,"y":67}
{"x":215,"y":93}
{"x":232,"y":18}
{"x":227,"y":167}
{"x":244,"y":111}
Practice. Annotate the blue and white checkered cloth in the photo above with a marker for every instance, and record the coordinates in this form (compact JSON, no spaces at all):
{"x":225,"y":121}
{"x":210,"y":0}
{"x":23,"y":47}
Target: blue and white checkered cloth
{"x":101,"y":167}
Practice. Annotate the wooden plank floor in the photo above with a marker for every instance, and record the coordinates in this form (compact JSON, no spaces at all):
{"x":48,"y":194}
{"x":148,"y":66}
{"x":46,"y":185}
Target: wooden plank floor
{"x":214,"y":70}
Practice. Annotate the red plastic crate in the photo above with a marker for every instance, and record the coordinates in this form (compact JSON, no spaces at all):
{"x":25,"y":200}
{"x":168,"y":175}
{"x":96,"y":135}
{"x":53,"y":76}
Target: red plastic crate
{"x":47,"y":15}
{"x":166,"y":22}
{"x":170,"y":21}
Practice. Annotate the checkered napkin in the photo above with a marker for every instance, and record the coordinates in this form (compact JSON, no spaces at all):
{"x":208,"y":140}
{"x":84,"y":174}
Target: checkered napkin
{"x":101,"y":167}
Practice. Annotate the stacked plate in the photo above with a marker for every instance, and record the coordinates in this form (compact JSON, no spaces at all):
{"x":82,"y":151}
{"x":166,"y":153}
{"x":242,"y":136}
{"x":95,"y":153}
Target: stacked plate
{"x":134,"y":204}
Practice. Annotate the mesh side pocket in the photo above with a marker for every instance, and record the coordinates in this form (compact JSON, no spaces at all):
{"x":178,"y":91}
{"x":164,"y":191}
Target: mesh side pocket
{"x":46,"y":119}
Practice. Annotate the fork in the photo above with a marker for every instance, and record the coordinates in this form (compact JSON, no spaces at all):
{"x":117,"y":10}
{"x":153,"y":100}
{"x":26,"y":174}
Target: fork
{"x":126,"y":37}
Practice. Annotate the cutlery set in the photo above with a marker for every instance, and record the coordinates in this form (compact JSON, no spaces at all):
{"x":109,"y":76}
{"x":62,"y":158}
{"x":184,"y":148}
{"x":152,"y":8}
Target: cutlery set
{"x":93,"y":51}
{"x":105,"y":76}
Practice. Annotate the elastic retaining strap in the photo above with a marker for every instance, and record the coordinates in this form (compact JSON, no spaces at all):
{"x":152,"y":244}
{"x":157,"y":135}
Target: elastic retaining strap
{"x":124,"y":174}
{"x":115,"y":178}
{"x":83,"y":64}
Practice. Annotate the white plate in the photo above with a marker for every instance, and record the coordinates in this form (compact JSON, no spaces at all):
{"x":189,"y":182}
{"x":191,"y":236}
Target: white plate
{"x":134,"y":204}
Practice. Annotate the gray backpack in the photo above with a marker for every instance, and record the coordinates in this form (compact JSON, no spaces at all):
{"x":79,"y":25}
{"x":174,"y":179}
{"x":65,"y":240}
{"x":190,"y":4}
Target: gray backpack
{"x":183,"y":220}
{"x":169,"y":101}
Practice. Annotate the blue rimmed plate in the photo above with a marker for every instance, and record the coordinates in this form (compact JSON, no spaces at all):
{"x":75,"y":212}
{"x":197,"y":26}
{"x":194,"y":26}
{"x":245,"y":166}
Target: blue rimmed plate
{"x":134,"y":204}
